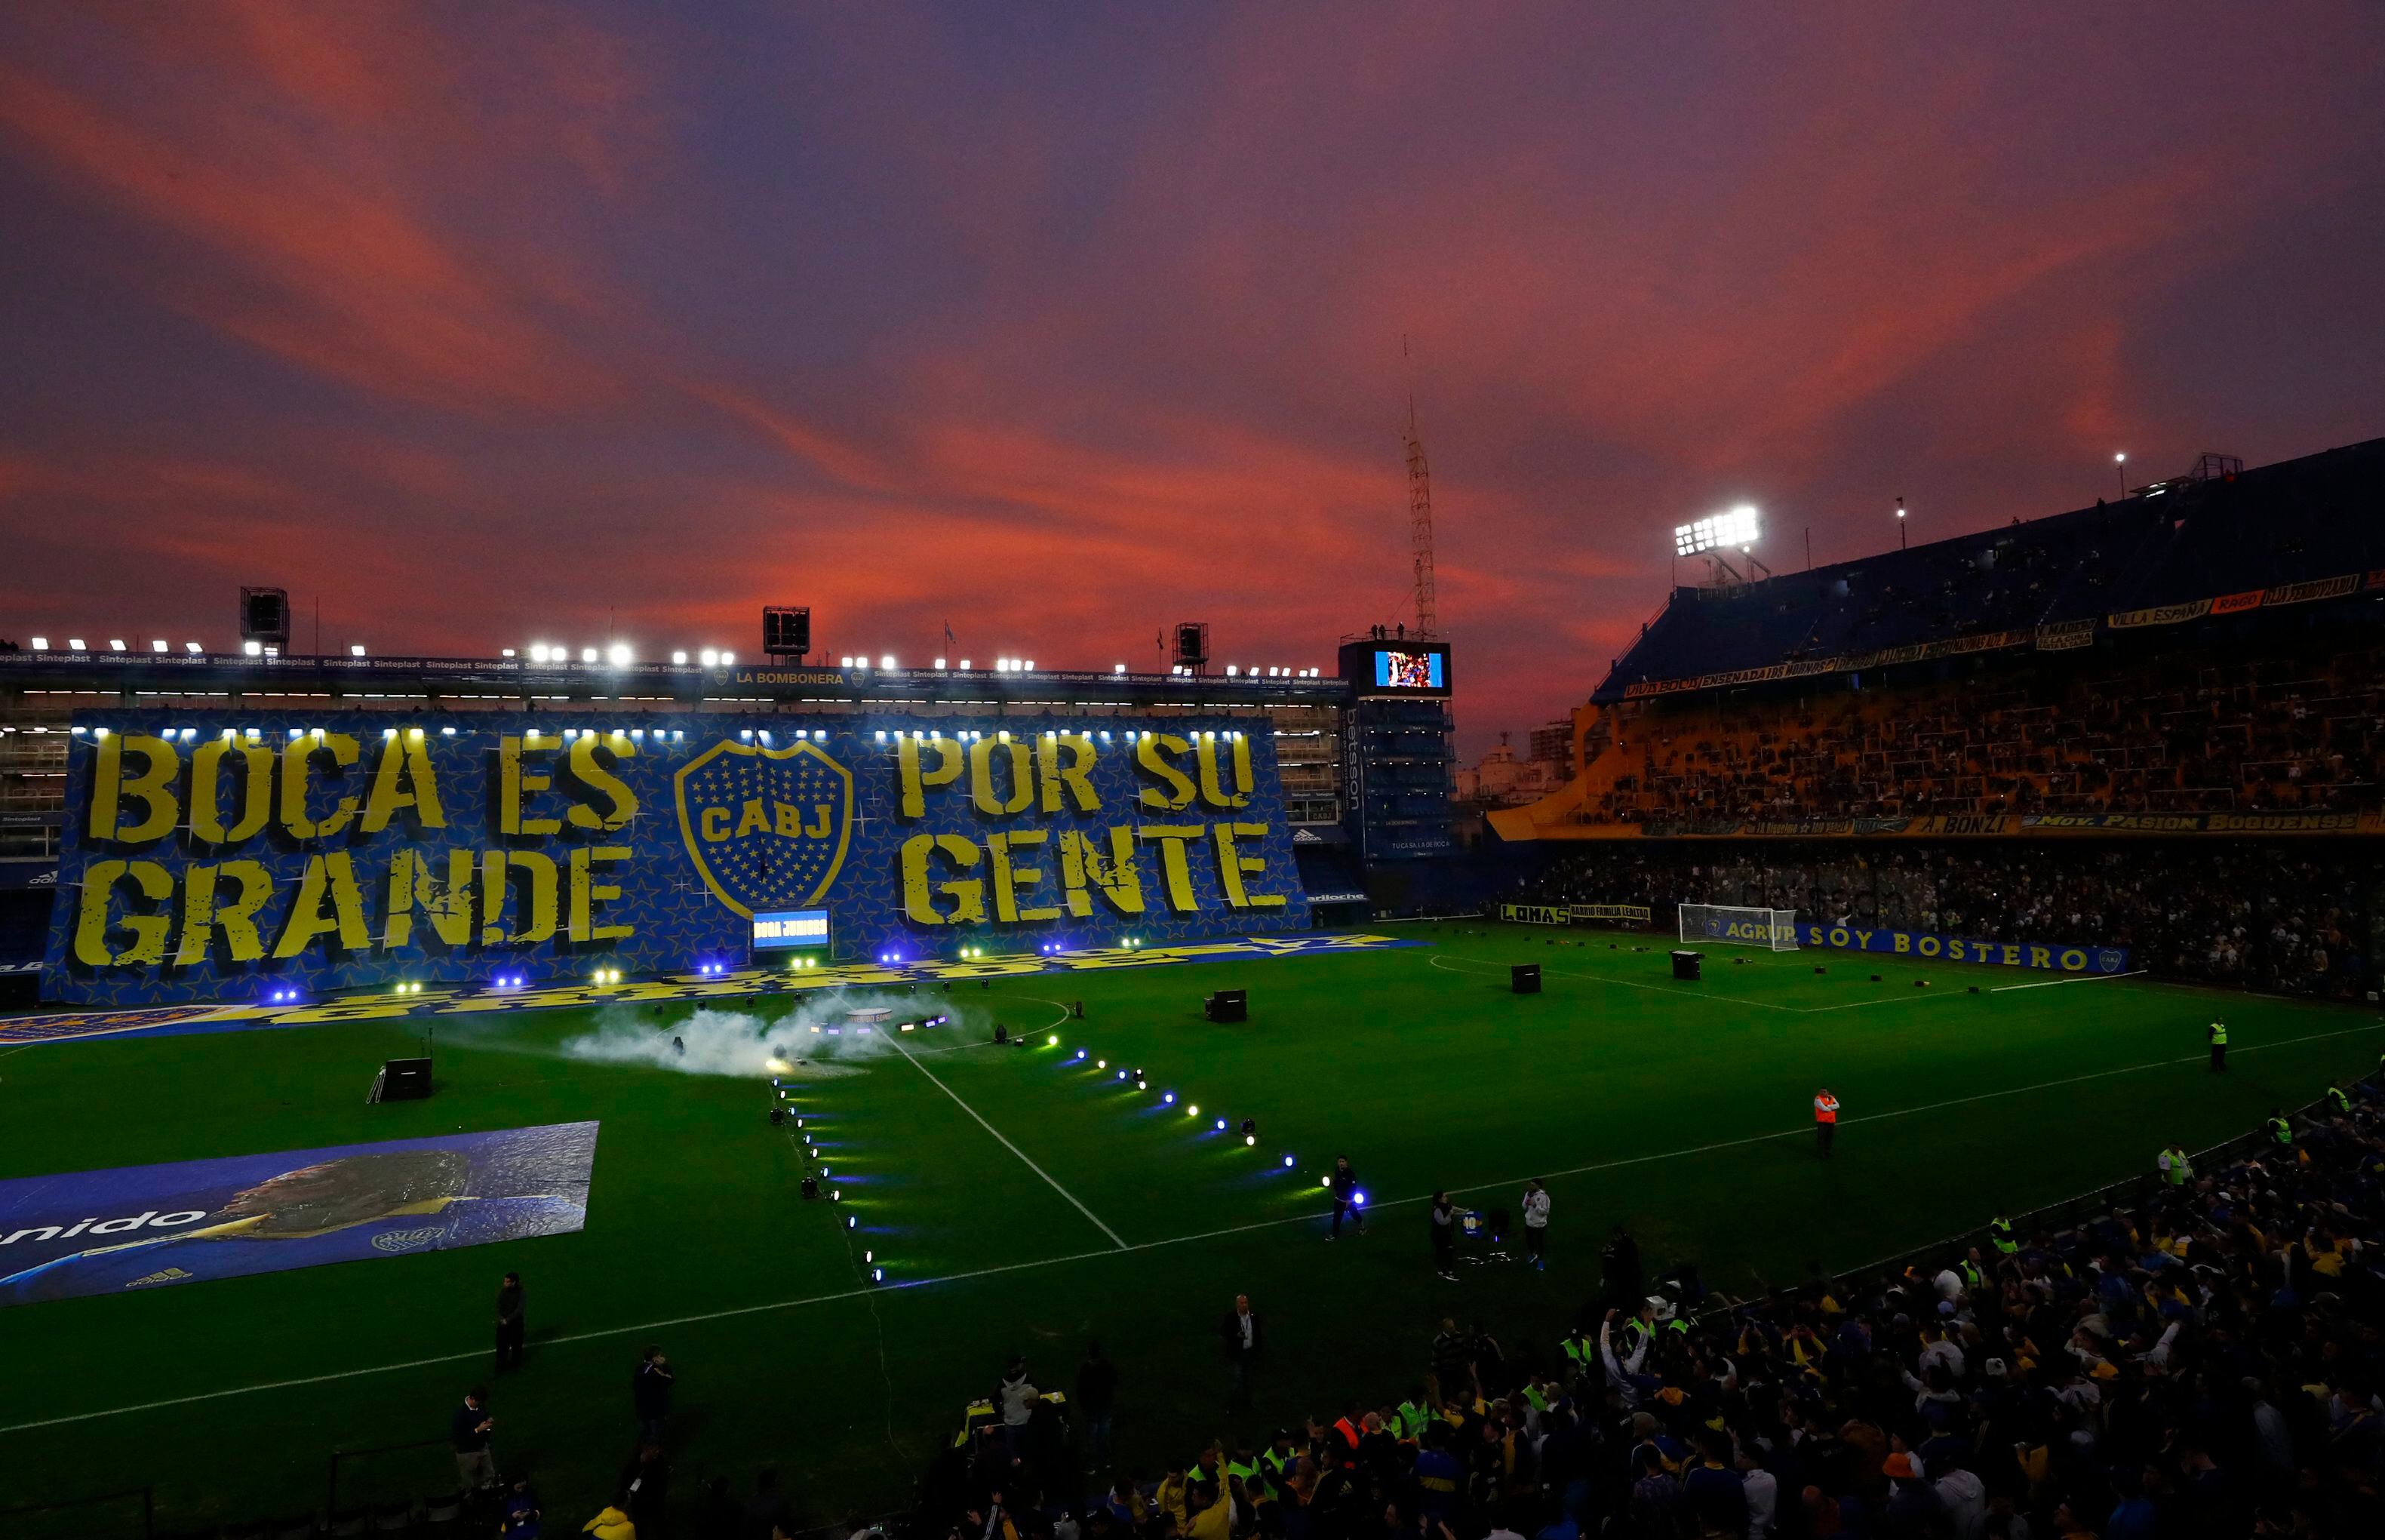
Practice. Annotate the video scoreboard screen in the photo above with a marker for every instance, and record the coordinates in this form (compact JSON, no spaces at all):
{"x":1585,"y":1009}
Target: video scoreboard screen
{"x":1400,"y":669}
{"x":783,"y":929}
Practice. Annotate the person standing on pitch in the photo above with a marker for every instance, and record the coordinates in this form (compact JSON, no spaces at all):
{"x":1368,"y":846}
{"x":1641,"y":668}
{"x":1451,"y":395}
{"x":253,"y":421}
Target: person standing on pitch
{"x":509,"y":1323}
{"x":1244,"y":1336}
{"x":1344,"y":1183}
{"x":1536,"y":1225}
{"x":650,"y":1393}
{"x":2218,"y":1047}
{"x":1445,"y":1236}
{"x":1826,"y":1119}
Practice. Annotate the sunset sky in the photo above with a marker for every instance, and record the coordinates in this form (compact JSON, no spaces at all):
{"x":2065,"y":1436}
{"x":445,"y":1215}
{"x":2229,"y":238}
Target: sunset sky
{"x":480,"y":325}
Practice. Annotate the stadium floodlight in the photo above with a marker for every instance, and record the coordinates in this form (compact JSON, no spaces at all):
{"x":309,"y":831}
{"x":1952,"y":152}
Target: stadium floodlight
{"x":588,"y":654}
{"x":160,"y":645}
{"x":41,"y":643}
{"x":115,"y":644}
{"x":709,"y":657}
{"x":679,"y":658}
{"x":617,"y":654}
{"x":886,"y":660}
{"x":965,"y":664}
{"x":728,"y":659}
{"x":192,"y":648}
{"x":254,"y":649}
{"x":1737,"y":526}
{"x":356,"y":649}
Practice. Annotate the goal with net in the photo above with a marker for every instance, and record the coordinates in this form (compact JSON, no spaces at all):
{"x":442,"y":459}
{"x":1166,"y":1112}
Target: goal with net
{"x":1724,"y":925}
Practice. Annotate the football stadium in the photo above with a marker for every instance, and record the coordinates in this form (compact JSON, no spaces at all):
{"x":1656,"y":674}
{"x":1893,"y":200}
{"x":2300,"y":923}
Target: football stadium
{"x":1927,"y":949}
{"x":754,"y":787}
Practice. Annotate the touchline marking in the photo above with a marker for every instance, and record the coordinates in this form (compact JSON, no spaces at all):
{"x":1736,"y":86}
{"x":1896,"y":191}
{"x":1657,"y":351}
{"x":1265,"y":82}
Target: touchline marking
{"x":1114,"y":1237}
{"x":2049,"y":984}
{"x":652,"y":1326}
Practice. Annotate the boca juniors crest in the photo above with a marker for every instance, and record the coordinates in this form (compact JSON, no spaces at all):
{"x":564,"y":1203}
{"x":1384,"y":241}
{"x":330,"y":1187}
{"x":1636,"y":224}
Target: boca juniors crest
{"x":768,"y":827}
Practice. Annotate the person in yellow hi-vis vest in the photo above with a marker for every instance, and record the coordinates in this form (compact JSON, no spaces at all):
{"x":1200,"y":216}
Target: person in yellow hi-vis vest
{"x":2218,"y":1047}
{"x":1826,"y":1120}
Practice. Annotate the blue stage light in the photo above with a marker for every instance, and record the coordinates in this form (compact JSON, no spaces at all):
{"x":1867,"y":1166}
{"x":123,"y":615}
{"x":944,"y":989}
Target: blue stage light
{"x":878,"y":1275}
{"x":1167,"y":1098}
{"x":853,"y":1221}
{"x":1287,"y":1162}
{"x":1221,"y":1125}
{"x":1121,"y":1075}
{"x":1358,"y":1200}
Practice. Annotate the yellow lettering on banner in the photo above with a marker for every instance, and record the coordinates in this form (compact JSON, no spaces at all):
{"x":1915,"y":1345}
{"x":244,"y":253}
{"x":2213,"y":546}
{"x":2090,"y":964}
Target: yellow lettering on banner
{"x":1150,"y":752}
{"x":1205,"y":754}
{"x":714,"y":825}
{"x":447,"y":905}
{"x":1232,"y":865}
{"x":403,"y":779}
{"x":494,"y":891}
{"x":1176,"y":872}
{"x":917,"y":778}
{"x":2040,"y":957}
{"x":587,"y":893}
{"x":540,"y":867}
{"x":1010,"y":880}
{"x":1084,"y":866}
{"x":154,"y":788}
{"x":791,"y":821}
{"x":2012,"y":955}
{"x":297,"y":775}
{"x":1903,"y":942}
{"x":1075,"y":778}
{"x":203,"y":914}
{"x":751,"y":817}
{"x":968,"y":894}
{"x":1022,"y":778}
{"x":517,"y":781}
{"x":332,"y":875}
{"x":91,"y":918}
{"x":256,"y":790}
{"x":2073,"y":959}
{"x":621,"y":803}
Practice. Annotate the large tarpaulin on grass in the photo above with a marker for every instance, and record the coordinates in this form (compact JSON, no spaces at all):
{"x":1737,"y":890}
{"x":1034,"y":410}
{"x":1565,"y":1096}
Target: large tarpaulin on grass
{"x":149,"y":1227}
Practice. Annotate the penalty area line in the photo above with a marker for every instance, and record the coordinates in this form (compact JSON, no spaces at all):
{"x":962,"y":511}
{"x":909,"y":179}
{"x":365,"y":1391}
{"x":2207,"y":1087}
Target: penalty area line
{"x":2049,"y":984}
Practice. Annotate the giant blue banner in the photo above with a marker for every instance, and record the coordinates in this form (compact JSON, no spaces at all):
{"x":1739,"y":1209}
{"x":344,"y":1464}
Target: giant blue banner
{"x":239,"y":856}
{"x":151,"y":1227}
{"x":2056,"y":957}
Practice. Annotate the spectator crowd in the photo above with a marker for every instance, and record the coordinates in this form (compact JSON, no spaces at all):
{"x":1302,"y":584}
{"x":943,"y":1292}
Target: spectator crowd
{"x":2202,"y":1361}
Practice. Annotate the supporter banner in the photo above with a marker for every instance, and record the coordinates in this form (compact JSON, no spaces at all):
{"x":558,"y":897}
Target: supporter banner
{"x":1844,"y":663}
{"x":2063,"y":635}
{"x":1575,"y":914}
{"x":2236,"y":604}
{"x":1938,"y":948}
{"x":2317,"y":588}
{"x":148,"y":1227}
{"x":1971,"y":825}
{"x":2159,"y":615}
{"x":201,"y":859}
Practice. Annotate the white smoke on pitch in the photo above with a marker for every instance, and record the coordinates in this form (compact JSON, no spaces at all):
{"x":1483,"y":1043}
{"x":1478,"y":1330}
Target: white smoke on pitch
{"x":822,"y":1037}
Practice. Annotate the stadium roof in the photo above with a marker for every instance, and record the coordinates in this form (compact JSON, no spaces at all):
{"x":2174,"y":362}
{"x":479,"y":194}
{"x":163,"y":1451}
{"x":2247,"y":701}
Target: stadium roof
{"x":2300,"y":530}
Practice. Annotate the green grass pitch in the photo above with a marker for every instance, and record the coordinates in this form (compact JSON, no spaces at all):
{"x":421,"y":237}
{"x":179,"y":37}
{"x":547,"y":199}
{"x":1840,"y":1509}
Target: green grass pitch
{"x":1026,"y":1201}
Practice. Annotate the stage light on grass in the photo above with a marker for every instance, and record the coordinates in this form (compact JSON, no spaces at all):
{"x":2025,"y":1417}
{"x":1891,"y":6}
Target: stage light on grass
{"x":1194,"y":1110}
{"x":1167,"y":1098}
{"x":1248,"y":1139}
{"x":1358,"y":1200}
{"x":853,"y":1221}
{"x":1053,"y":1041}
{"x":1100,"y":1064}
{"x":1322,"y":1181}
{"x":1287,"y":1162}
{"x":1221,"y":1125}
{"x":776,"y":1066}
{"x":878,"y":1275}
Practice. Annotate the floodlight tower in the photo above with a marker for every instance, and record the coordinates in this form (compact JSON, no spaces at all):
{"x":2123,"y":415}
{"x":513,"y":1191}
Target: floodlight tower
{"x":1715,"y":537}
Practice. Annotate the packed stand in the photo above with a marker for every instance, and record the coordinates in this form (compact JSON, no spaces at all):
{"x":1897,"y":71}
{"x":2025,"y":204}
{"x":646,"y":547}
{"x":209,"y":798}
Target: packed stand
{"x":2202,"y":1363}
{"x":2299,"y":730}
{"x":2291,"y":916}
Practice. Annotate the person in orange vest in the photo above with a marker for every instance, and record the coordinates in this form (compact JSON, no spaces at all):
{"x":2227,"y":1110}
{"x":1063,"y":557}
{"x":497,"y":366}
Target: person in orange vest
{"x":1826,"y":1119}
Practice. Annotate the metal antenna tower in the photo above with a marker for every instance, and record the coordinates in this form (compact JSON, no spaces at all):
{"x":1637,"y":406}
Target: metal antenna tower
{"x":1420,"y":522}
